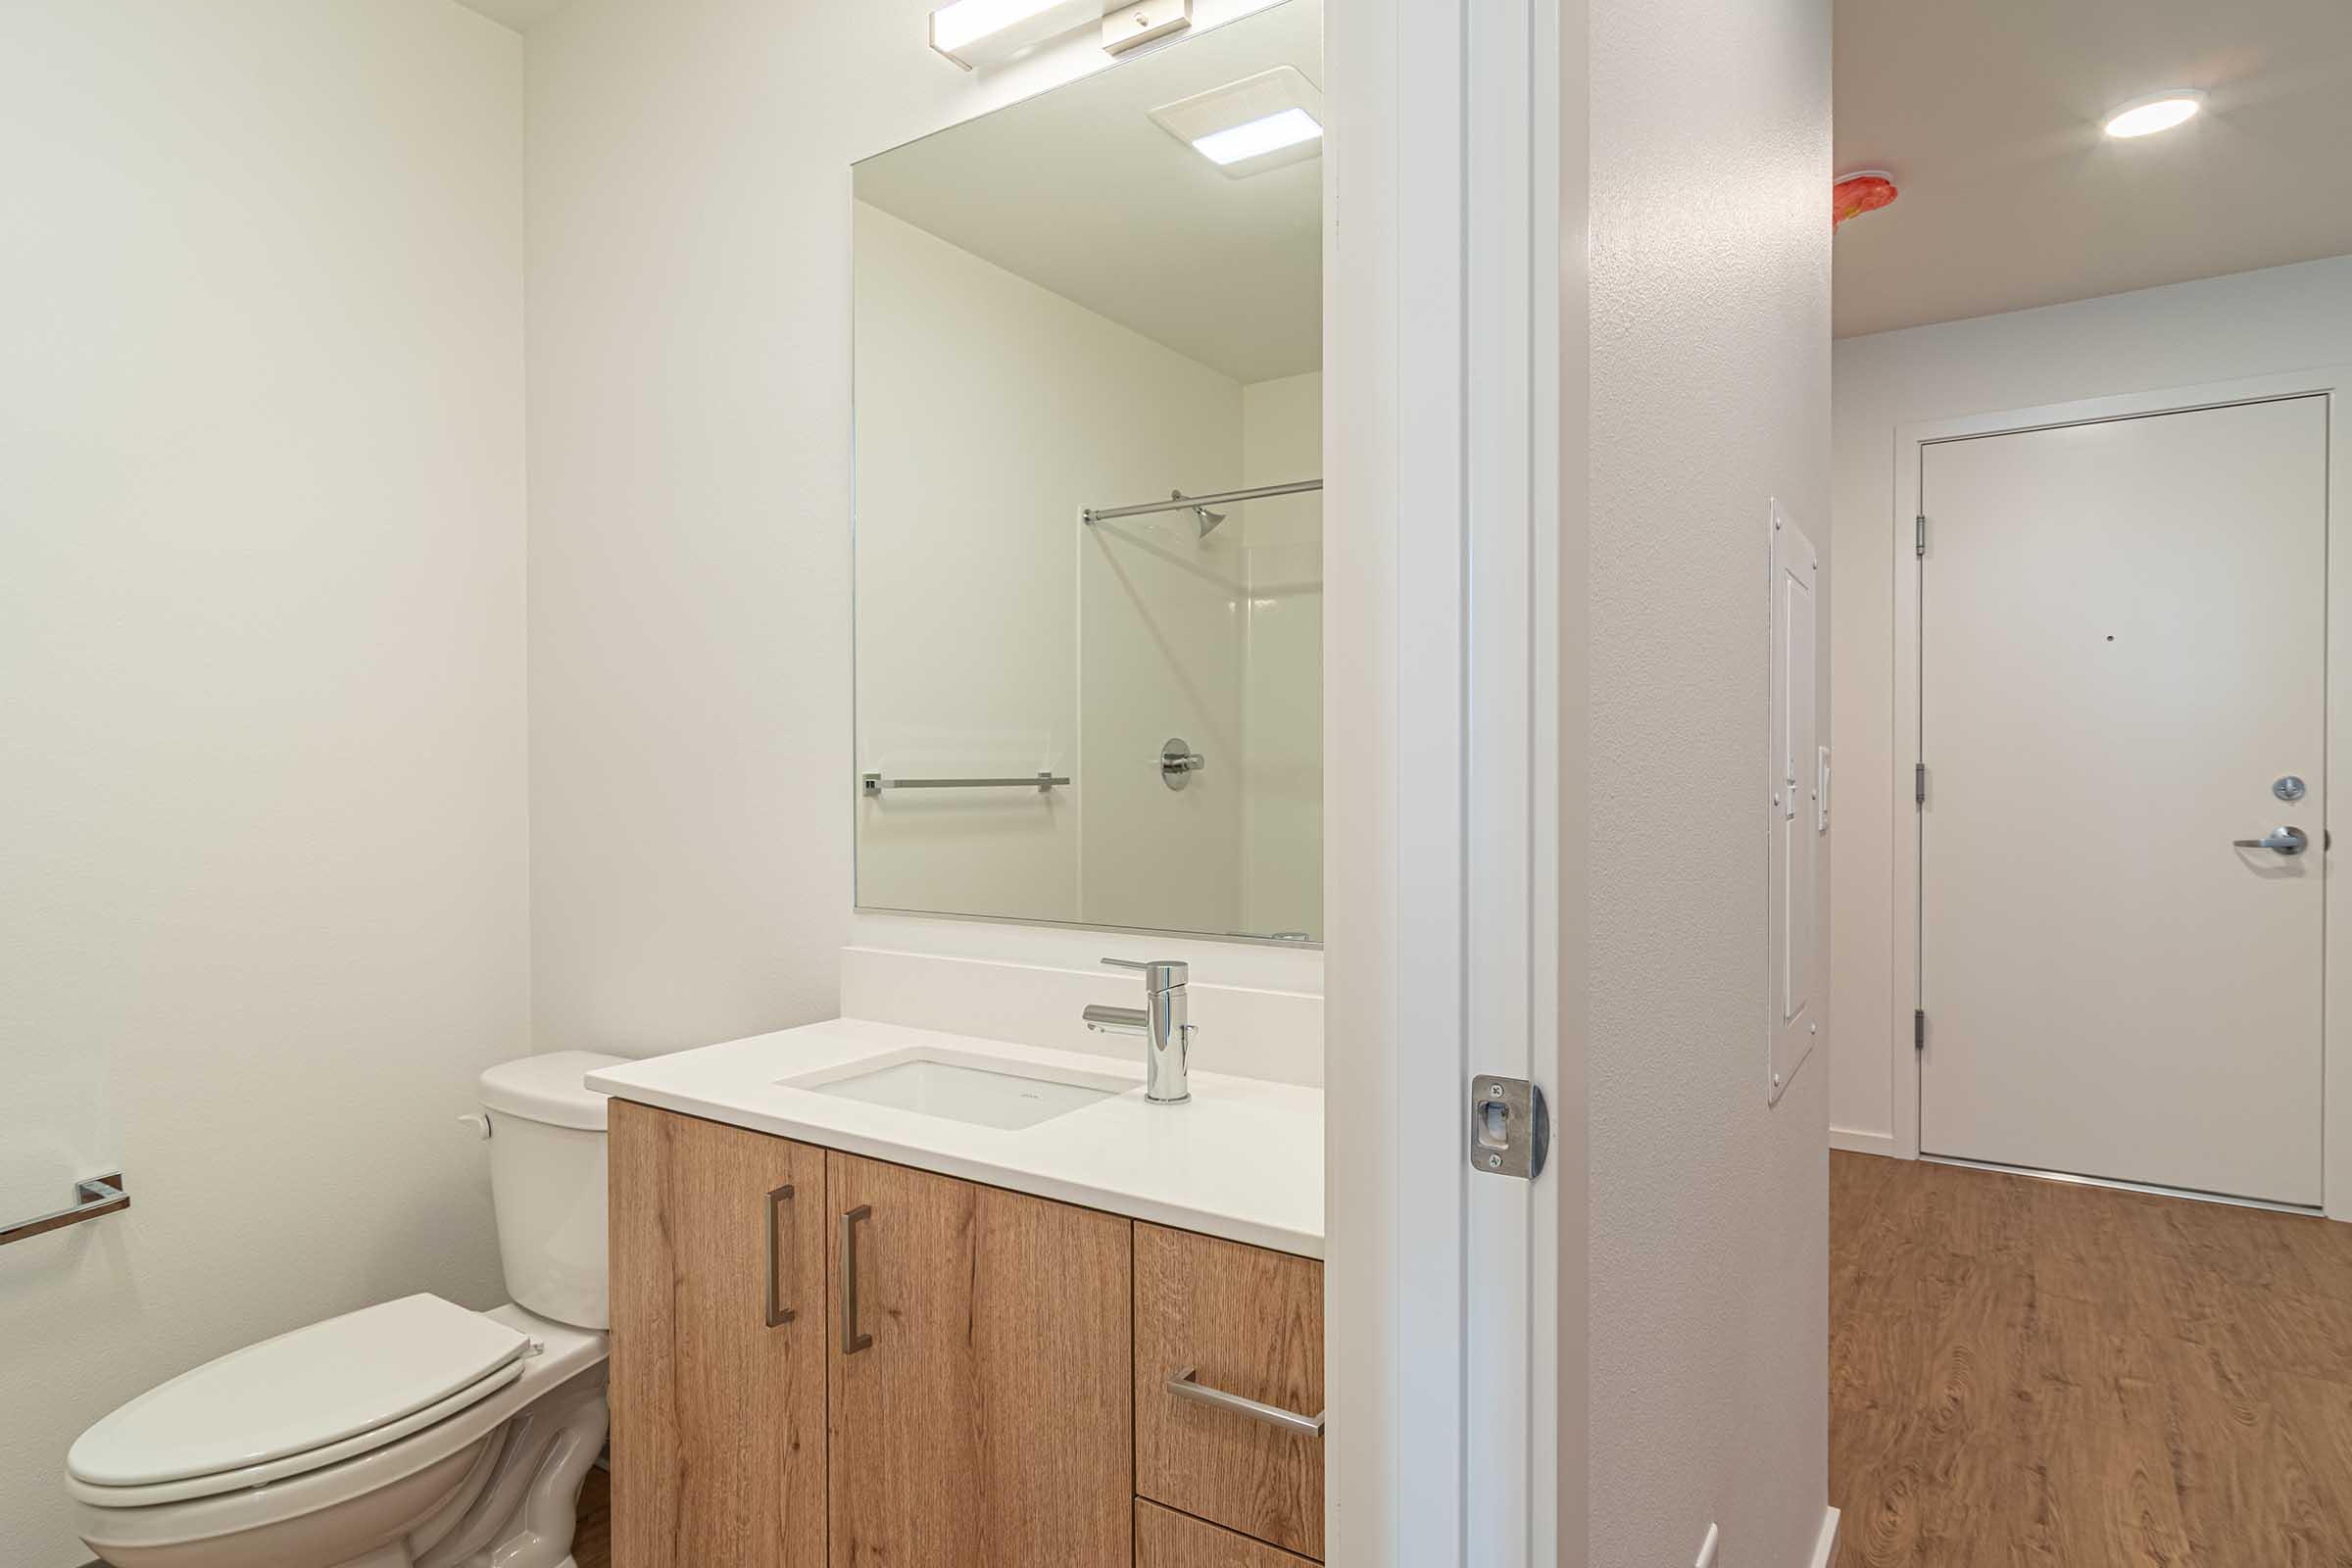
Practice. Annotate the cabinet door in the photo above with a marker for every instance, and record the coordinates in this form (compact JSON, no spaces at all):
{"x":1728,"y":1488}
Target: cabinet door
{"x":981,"y":1355}
{"x":718,"y":1345}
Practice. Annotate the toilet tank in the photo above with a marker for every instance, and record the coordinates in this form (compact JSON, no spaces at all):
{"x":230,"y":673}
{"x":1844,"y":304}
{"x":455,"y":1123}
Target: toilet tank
{"x":546,"y":1179}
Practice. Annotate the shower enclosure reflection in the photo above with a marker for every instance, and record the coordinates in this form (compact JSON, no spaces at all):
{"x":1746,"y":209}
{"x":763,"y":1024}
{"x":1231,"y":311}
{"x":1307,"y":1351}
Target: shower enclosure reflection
{"x":1089,"y":521}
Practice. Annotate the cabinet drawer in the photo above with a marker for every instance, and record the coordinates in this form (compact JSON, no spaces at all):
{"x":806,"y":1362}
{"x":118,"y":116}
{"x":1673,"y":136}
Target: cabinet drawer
{"x":1245,"y":1322}
{"x":1166,"y":1540}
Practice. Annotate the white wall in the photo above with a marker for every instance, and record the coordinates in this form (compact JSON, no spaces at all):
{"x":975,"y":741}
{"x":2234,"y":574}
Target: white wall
{"x":689,"y":362}
{"x":989,"y":412}
{"x":2216,"y":329}
{"x":261,"y":815}
{"x":1709,"y":391}
{"x":1282,"y":676}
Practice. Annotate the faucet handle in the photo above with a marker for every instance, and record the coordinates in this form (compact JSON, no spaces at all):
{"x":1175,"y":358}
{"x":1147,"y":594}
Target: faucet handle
{"x":1160,"y":974}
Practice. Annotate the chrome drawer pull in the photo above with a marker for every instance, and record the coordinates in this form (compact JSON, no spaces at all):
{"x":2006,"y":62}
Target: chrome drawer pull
{"x":853,"y":1340}
{"x":1186,"y":1385}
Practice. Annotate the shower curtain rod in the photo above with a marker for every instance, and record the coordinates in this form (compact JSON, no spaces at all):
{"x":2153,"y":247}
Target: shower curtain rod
{"x":1094,"y":514}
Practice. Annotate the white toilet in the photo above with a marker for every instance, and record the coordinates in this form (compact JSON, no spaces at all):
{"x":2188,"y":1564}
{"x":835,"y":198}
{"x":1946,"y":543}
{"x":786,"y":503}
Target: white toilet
{"x":410,"y":1435}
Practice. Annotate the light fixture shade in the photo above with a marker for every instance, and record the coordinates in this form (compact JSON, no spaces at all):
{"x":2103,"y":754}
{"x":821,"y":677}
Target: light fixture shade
{"x":2158,"y":111}
{"x":984,"y":33}
{"x":1250,"y":125}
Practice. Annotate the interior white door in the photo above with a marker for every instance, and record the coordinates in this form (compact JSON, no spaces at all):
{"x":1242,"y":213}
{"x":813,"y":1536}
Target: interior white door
{"x":2122,"y":647}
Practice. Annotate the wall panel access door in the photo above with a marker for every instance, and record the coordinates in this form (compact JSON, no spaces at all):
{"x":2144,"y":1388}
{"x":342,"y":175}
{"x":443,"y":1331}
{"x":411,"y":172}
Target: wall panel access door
{"x":2122,"y":661}
{"x":1794,"y":819}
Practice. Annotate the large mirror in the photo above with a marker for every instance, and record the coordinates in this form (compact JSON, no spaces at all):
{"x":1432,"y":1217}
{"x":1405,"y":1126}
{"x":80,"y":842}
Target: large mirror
{"x":1089,"y":509}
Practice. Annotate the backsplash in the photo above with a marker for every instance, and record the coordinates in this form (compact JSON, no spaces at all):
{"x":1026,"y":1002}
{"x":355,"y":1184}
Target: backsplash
{"x":1246,"y":1031}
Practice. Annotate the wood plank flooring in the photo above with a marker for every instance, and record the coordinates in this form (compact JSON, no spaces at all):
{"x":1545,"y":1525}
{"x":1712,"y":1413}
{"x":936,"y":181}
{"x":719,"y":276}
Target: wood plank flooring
{"x":592,"y":1542}
{"x":2024,"y":1372}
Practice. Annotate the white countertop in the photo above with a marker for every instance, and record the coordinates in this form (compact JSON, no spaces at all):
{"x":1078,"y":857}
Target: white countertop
{"x":1242,"y":1159}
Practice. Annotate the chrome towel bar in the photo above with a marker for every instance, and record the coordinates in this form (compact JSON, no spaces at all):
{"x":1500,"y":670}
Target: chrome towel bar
{"x":99,"y":1196}
{"x":875,"y":783}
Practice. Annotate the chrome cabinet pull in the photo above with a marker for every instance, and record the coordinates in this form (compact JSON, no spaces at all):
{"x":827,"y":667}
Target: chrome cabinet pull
{"x":778,"y":1314}
{"x":851,"y":1342}
{"x":1186,"y":1385}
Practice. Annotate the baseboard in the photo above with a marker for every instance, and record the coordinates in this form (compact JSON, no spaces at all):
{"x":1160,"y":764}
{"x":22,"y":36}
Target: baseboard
{"x":1858,"y":1142}
{"x":1827,"y":1546}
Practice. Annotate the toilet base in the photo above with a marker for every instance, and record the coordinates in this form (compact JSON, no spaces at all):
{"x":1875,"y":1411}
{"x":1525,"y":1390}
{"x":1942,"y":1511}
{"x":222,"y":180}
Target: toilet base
{"x":509,"y":1497}
{"x":525,"y":1511}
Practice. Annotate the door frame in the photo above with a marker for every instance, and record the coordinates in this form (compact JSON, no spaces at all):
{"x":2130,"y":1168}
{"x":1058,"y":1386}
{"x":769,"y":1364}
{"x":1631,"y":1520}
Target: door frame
{"x":1456,"y":420}
{"x":2332,"y":382}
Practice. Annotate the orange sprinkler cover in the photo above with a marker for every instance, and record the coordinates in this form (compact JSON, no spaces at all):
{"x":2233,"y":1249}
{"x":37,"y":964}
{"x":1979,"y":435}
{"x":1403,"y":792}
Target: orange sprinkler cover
{"x":1857,"y":194}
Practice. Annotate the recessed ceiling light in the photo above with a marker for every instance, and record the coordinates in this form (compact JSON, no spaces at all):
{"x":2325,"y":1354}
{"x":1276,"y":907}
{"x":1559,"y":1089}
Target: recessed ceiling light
{"x":1250,"y":125}
{"x":2159,"y":111}
{"x":980,"y":32}
{"x":1286,"y":127}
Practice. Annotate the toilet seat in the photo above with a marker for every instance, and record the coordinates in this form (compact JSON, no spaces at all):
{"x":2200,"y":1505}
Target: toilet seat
{"x":294,"y":1464}
{"x":298,"y":1402}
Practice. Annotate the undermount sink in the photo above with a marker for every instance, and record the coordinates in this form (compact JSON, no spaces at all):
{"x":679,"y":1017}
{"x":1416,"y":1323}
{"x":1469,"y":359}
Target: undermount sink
{"x":985,"y":1091}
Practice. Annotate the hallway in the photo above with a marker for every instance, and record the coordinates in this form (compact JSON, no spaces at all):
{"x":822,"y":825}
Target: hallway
{"x":2024,"y":1371}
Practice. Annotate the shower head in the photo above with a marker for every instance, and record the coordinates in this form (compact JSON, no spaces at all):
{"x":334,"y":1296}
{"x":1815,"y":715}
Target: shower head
{"x":1208,"y":519}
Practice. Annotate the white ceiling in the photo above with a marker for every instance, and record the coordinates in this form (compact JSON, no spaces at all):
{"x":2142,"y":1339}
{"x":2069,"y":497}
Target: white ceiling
{"x":517,"y":14}
{"x":1988,"y":114}
{"x":1079,"y":192}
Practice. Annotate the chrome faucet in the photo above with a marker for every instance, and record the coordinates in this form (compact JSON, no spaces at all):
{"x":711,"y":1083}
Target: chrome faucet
{"x":1167,"y":1038}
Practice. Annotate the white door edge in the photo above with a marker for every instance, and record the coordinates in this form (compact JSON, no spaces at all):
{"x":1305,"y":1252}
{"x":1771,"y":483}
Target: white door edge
{"x":2330,"y":381}
{"x":1454,"y":1301}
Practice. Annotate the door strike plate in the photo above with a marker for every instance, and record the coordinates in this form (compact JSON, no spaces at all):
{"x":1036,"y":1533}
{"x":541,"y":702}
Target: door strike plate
{"x":1510,"y":1127}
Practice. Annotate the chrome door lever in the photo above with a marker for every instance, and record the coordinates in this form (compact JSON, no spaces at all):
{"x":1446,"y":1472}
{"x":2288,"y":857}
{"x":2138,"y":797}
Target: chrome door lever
{"x":2283,"y":840}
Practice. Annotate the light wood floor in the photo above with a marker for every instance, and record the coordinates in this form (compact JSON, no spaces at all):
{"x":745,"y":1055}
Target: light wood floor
{"x":2026,"y":1372}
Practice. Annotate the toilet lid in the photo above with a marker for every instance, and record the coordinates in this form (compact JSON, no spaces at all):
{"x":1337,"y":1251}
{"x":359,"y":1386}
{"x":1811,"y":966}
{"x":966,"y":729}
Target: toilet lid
{"x":302,"y":1391}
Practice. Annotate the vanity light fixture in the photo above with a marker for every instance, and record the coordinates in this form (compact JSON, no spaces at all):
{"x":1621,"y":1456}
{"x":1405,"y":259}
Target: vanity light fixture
{"x":2158,"y":111}
{"x":1250,"y":125}
{"x":1143,"y":21}
{"x":983,"y":33}
{"x":986,"y":32}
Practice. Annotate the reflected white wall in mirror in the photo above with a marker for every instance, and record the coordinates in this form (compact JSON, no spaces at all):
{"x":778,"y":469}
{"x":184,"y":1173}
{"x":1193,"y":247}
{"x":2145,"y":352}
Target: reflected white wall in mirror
{"x":1064,"y":306}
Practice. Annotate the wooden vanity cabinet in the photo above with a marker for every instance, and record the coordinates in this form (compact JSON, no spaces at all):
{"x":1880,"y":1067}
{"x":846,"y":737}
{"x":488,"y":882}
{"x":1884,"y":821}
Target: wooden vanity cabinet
{"x":980,"y":1353}
{"x":826,"y":1361}
{"x":719,"y":1345}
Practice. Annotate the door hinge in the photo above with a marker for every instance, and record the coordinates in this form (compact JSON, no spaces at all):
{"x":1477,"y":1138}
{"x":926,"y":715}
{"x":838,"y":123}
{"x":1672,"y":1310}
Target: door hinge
{"x":1919,"y":783}
{"x":1919,"y":1029}
{"x":1510,"y":1127}
{"x":1919,"y":535}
